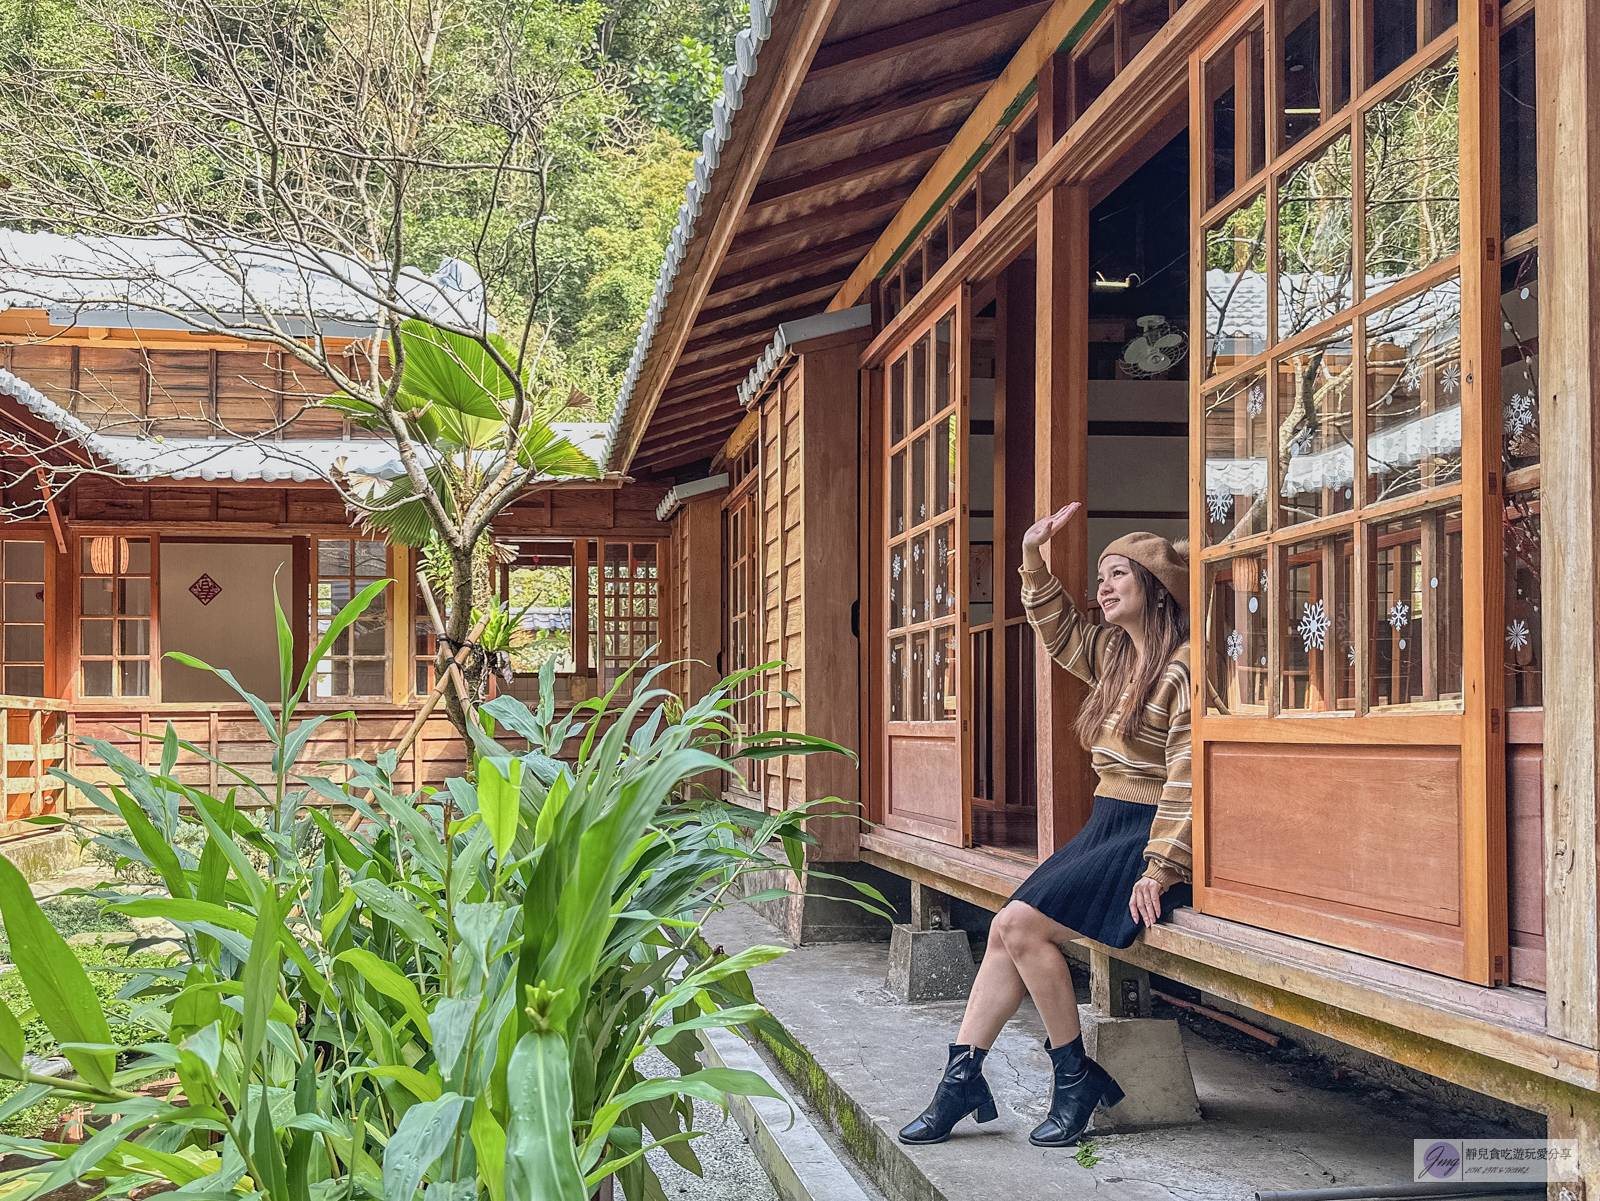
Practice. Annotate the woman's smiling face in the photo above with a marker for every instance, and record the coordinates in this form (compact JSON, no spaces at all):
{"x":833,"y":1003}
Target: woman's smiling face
{"x":1118,"y":593}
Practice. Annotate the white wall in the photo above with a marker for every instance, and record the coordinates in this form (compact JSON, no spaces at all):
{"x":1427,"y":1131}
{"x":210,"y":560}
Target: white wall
{"x":236,"y":631}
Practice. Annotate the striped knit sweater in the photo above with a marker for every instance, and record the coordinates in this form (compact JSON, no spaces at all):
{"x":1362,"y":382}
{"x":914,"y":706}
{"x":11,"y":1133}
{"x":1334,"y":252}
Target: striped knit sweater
{"x":1151,"y":768}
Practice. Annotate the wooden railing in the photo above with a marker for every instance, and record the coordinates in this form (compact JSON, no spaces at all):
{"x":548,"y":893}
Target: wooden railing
{"x":35,"y":741}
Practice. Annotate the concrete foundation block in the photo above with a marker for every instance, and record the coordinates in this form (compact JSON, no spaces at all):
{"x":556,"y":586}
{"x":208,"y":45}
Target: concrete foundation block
{"x":40,"y":856}
{"x":929,"y":965}
{"x":1146,"y":1057}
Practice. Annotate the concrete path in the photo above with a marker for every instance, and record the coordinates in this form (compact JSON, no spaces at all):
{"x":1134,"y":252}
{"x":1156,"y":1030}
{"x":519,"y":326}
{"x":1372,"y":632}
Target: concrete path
{"x":871,"y":1064}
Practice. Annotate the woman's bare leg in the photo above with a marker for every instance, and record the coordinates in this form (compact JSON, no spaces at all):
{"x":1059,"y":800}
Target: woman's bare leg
{"x":1024,"y":956}
{"x":996,"y":994}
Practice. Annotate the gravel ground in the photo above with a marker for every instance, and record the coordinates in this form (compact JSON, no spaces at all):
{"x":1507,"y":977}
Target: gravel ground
{"x":731,"y":1170}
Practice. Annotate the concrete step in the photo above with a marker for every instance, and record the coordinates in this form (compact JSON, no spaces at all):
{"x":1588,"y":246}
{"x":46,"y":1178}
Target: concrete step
{"x":869,"y":1064}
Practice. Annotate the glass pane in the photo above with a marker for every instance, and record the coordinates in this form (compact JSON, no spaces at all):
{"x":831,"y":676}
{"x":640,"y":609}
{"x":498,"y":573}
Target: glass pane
{"x":943,"y":365}
{"x":341,"y":642}
{"x":1141,"y":20}
{"x":1416,"y":611}
{"x":1524,"y":625}
{"x":333,"y":556}
{"x":135,"y":561}
{"x":938,"y":245}
{"x":1236,"y":460}
{"x":1300,"y":21}
{"x":897,"y":400}
{"x":332,"y":596}
{"x":1221,"y":109}
{"x":1413,"y":184}
{"x":422,"y":686}
{"x":422,"y":637}
{"x":919,"y":609}
{"x":1236,"y":286}
{"x":99,"y":556}
{"x":1519,"y":131}
{"x":917,"y":684}
{"x":96,"y":638}
{"x":897,"y":679}
{"x":1414,"y":394}
{"x":1319,"y":654}
{"x":25,"y":681}
{"x":913,"y":272}
{"x":133,"y":637}
{"x":964,"y":218}
{"x":97,"y":677}
{"x":919,"y":381}
{"x":1316,"y":467}
{"x":1315,"y":260}
{"x":897,"y":571}
{"x":1236,"y":636}
{"x":133,"y":676}
{"x":1438,"y":16}
{"x":944,"y":465}
{"x":1339,"y":42}
{"x":1095,"y":68}
{"x":96,"y":597}
{"x":24,"y":561}
{"x":1394,"y":35}
{"x":1519,"y":359}
{"x":919,"y":480}
{"x":945,"y":689}
{"x":24,"y":602}
{"x":371,"y":562}
{"x":368,"y":638}
{"x":944,"y":589}
{"x":369,"y":677}
{"x":133,"y":597}
{"x":25,"y":644}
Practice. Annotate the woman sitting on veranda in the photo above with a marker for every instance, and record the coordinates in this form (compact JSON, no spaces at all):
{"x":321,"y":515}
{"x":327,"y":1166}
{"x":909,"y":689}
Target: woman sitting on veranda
{"x":1129,"y":865}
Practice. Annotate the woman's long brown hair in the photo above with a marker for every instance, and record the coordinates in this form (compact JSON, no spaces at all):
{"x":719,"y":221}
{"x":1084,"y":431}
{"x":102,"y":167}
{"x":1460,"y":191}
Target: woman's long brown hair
{"x":1166,"y":628}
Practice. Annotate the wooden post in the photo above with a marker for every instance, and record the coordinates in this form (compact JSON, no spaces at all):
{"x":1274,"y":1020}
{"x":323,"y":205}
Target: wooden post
{"x":701,"y":524}
{"x":1117,"y":989}
{"x":1568,"y":64}
{"x":1061,"y":474}
{"x":1055,"y":100}
{"x":930,"y":908}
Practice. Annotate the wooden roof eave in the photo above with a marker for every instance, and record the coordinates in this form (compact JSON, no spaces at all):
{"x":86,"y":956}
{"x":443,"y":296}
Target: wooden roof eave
{"x":797,"y":32}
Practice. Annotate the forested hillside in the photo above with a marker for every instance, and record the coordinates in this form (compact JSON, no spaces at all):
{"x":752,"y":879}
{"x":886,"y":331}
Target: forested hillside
{"x":634,"y":83}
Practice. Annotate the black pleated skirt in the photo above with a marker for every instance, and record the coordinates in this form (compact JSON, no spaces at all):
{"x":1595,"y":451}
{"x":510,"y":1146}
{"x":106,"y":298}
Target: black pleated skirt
{"x":1086,"y":885}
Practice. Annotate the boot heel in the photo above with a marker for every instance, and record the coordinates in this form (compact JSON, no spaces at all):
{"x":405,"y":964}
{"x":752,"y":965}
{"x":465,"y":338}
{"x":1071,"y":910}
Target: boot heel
{"x":986,"y":1112}
{"x":1113,"y":1094}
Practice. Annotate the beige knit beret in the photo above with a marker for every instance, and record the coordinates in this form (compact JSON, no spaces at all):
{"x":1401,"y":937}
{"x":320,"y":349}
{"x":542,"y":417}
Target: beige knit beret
{"x":1160,"y":558}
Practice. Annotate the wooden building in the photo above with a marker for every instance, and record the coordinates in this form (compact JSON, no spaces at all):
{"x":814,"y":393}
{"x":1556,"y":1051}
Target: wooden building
{"x":951,"y":264}
{"x":191,"y":479}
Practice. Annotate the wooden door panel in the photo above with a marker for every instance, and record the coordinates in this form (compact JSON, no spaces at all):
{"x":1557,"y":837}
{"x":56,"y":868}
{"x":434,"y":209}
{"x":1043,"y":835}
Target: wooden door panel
{"x":1358,"y":846}
{"x":1525,"y":861}
{"x":925,"y":783}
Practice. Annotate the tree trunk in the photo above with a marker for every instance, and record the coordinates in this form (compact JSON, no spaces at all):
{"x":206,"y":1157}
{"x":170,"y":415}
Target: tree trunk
{"x":458,"y":624}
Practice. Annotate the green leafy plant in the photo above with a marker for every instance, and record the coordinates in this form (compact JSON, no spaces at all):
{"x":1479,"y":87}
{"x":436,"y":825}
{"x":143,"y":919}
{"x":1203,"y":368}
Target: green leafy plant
{"x":452,"y":997}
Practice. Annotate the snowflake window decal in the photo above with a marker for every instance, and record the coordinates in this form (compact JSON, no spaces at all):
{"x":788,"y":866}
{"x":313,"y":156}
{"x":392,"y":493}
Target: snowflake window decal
{"x":1256,"y":401}
{"x":1450,"y":381}
{"x":1399,"y":615}
{"x":1521,"y":411}
{"x":1517,"y":636}
{"x":1350,"y":653}
{"x":1263,"y":579}
{"x":1314,"y":626}
{"x":1219,"y":505}
{"x":1235,"y":644}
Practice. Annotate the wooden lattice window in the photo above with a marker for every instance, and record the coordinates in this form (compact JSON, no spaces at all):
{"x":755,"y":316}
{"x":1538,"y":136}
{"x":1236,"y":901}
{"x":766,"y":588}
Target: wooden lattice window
{"x":356,"y":665}
{"x":116,"y":615}
{"x":624,"y":603}
{"x":23,"y":565}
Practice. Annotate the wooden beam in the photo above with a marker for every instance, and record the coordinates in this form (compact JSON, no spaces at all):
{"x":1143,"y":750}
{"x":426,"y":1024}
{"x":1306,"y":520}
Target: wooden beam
{"x":890,"y":106}
{"x":706,"y":441}
{"x":738,"y":362}
{"x":797,"y":31}
{"x":799,"y":291}
{"x":841,"y":171}
{"x":1020,"y":72}
{"x":692,"y":432}
{"x":700,"y":390}
{"x":758,"y":332}
{"x":920,"y":35}
{"x":814,"y":258}
{"x":781,"y":232}
{"x":1568,"y":63}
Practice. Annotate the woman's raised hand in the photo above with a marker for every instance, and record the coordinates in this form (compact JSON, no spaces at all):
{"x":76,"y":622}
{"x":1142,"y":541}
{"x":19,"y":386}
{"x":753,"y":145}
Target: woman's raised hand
{"x":1042,"y":531}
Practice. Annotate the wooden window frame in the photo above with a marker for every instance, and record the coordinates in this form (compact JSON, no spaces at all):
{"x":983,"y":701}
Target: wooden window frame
{"x":153,"y":697}
{"x":49,"y":621}
{"x":742,"y":608}
{"x":595,"y":605}
{"x":386,"y":692}
{"x":1476,"y":729}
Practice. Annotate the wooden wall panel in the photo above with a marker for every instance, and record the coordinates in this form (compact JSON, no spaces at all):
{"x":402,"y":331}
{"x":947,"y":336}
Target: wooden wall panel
{"x":181,"y":504}
{"x":97,"y":499}
{"x":1359,"y":847}
{"x":248,"y":398}
{"x":181,"y":402}
{"x":111,"y":389}
{"x":49,"y":367}
{"x":1525,"y":862}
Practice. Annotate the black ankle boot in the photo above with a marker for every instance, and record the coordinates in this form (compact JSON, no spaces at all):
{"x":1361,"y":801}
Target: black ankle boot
{"x":1079,"y":1085}
{"x":962,"y":1091}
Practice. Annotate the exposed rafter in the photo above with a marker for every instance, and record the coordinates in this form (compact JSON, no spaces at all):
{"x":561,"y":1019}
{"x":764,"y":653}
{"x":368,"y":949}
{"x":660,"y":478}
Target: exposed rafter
{"x":924,"y":33}
{"x":893,"y":105}
{"x":801,"y":290}
{"x":826,"y":254}
{"x":924,"y":148}
{"x":788,"y":231}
